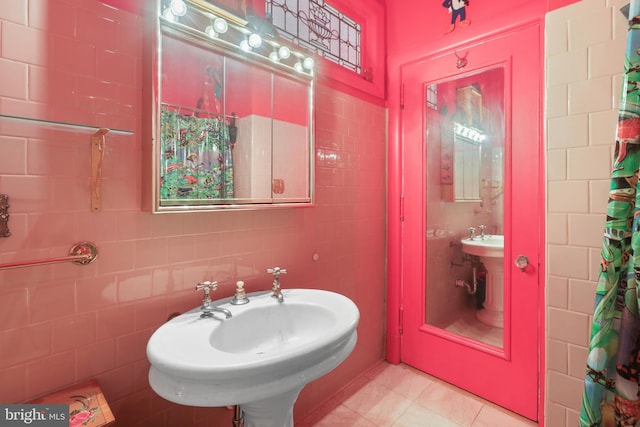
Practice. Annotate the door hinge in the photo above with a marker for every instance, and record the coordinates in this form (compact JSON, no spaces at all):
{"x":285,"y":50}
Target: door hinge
{"x":401,"y":319}
{"x":401,"y":208}
{"x":402,"y":97}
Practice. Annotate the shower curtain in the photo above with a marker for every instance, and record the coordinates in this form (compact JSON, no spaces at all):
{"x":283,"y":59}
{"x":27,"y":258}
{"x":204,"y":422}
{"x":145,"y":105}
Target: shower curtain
{"x":197,"y":161}
{"x":612,"y":393}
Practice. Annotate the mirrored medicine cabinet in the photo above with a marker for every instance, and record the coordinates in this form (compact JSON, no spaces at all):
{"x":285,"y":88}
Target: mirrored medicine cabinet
{"x":230,"y":117}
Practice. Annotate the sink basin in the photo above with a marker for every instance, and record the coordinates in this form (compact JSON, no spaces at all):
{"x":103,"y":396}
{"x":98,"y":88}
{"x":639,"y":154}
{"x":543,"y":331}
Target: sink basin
{"x":259,"y":358}
{"x":490,"y":246}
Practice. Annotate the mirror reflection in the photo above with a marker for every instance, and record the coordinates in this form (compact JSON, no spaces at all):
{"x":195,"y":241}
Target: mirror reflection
{"x":195,"y":128}
{"x":464,"y":245}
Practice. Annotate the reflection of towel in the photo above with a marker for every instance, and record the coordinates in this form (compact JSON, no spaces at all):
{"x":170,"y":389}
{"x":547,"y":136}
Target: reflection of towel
{"x":436,"y":231}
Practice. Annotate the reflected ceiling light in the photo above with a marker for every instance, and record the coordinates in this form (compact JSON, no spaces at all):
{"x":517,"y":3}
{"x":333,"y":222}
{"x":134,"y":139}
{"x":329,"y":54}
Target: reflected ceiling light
{"x":298,"y":67}
{"x":220,"y":25}
{"x":255,"y":41}
{"x":284,"y":52}
{"x":274,"y":56}
{"x":244,"y":45}
{"x":178,"y":7}
{"x":308,"y":63}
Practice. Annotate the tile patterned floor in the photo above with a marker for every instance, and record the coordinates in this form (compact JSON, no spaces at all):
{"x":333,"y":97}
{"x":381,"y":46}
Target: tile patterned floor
{"x":468,"y":326}
{"x":400,"y":396}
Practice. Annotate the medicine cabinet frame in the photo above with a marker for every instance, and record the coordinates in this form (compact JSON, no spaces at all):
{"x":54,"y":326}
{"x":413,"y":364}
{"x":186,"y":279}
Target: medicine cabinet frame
{"x":275,"y":183}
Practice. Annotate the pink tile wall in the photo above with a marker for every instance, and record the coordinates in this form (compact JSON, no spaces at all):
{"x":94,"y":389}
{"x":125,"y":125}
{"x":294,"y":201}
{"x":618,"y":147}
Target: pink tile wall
{"x":78,"y":61}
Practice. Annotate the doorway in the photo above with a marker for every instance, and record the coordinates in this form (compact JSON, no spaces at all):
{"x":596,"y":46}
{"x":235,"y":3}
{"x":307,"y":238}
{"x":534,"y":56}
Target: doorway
{"x":472,"y":223}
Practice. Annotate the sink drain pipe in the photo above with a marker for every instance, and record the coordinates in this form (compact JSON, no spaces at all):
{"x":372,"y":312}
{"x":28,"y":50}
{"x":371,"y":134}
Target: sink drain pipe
{"x":471,"y":288}
{"x":238,"y":419}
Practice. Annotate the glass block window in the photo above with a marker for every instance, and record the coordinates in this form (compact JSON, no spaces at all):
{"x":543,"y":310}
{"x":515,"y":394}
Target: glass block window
{"x":320,"y":28}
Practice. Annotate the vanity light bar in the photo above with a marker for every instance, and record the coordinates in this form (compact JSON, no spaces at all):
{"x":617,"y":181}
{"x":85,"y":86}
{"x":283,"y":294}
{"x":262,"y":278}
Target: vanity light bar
{"x":197,"y":16}
{"x":472,"y":134}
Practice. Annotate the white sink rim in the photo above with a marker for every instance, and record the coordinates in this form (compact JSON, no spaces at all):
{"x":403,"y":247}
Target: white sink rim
{"x":490,"y":246}
{"x":194,"y":372}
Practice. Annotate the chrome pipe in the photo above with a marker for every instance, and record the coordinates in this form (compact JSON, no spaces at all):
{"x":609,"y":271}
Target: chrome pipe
{"x":238,"y":419}
{"x":473,"y":288}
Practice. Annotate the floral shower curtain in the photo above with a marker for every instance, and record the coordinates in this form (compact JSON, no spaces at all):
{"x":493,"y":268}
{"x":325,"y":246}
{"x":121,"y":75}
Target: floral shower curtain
{"x":612,"y":390}
{"x":197,"y":161}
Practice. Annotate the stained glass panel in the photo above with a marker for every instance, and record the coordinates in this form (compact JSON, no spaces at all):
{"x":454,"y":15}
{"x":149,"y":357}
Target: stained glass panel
{"x":320,"y":28}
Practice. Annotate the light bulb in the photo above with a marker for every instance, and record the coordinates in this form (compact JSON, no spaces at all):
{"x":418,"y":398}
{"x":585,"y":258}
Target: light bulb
{"x":168,"y":15}
{"x":298,"y":67}
{"x":274,"y":56}
{"x":220,"y":25}
{"x":244,"y":45}
{"x":211,"y":32}
{"x":308,"y":63}
{"x":284,"y":52}
{"x":178,"y":7}
{"x":255,"y":41}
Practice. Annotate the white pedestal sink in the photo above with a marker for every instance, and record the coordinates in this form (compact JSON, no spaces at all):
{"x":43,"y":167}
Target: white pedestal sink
{"x":260,"y":358}
{"x":490,"y":249}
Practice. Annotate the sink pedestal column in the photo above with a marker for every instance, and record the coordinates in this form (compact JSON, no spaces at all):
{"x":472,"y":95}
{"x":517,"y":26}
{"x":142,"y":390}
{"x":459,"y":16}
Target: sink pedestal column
{"x":275,"y":411}
{"x":493,"y":312}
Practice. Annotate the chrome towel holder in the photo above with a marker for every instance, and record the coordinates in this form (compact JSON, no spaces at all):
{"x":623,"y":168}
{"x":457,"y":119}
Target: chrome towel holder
{"x":81,"y":253}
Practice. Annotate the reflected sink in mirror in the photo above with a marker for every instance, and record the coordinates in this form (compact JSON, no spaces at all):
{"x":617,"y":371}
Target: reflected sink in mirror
{"x":260,"y":358}
{"x":490,"y":249}
{"x":489,"y":246}
{"x":465,"y":140}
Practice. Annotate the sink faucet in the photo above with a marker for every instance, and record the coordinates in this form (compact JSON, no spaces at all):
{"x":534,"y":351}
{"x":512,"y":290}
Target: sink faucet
{"x":472,"y":233}
{"x":277,"y":292}
{"x":482,"y":228}
{"x":207,"y":308}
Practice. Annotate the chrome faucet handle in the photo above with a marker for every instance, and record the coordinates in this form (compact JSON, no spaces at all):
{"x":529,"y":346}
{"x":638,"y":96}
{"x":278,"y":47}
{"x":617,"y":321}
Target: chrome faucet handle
{"x":276,"y":271}
{"x":482,"y":228}
{"x":207,"y":287}
{"x":277,"y":292}
{"x":472,"y":233}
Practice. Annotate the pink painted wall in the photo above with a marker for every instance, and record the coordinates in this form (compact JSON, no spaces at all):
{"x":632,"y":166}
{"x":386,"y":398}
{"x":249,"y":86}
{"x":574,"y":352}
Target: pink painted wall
{"x":79,"y":61}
